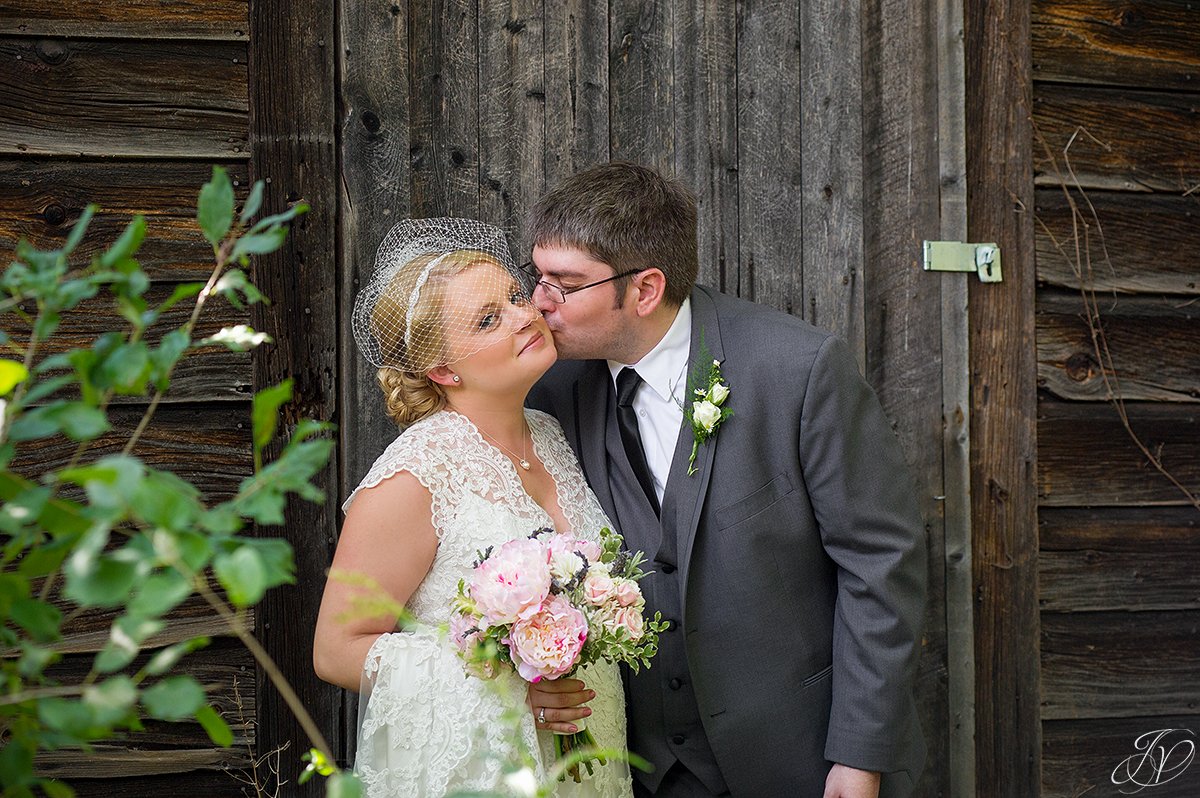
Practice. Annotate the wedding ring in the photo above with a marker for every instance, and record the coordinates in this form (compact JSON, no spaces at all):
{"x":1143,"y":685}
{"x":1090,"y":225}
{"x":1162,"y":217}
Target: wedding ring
{"x":542,"y":715}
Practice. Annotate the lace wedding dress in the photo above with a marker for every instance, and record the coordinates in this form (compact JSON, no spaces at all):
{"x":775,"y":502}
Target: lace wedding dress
{"x":425,"y":728}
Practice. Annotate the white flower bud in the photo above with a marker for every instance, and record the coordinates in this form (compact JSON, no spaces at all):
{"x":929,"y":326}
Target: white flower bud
{"x":718,"y":394}
{"x":706,"y":414}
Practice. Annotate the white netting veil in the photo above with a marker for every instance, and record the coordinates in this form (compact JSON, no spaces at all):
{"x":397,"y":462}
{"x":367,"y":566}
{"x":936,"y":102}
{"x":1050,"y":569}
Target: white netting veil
{"x":442,"y":290}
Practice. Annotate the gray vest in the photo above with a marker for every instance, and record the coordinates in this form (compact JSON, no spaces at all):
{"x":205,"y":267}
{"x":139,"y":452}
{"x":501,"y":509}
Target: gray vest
{"x":664,"y":721}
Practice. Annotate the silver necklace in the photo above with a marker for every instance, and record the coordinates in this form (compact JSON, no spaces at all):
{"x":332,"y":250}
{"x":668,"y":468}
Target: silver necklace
{"x":522,"y":460}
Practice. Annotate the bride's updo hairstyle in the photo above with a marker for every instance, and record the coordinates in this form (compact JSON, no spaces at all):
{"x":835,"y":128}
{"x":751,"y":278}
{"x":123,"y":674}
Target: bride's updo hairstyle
{"x":404,"y":319}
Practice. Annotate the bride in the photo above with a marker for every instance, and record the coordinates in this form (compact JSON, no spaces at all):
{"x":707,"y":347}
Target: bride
{"x":458,"y":345}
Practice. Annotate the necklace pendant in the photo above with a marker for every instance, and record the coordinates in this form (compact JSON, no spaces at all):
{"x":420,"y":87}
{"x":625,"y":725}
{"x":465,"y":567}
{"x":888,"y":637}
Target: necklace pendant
{"x":524,"y":464}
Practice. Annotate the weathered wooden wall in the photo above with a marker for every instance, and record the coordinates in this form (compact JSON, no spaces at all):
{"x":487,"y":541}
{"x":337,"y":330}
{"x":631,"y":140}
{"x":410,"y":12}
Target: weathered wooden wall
{"x":807,"y":130}
{"x":128,"y":103}
{"x":1117,"y":157}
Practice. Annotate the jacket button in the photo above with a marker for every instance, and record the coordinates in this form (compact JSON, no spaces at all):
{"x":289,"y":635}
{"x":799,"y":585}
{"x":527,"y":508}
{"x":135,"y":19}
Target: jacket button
{"x":671,"y":624}
{"x":675,"y":684}
{"x":678,"y":739}
{"x":668,"y":568}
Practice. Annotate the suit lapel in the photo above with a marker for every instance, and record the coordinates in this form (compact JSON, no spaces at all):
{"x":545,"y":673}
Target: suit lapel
{"x":591,"y":416}
{"x":686,"y":493}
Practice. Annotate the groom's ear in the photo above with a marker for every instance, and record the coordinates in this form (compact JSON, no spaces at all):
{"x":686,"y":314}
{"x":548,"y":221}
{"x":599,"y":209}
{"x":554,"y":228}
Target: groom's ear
{"x":651,"y":285}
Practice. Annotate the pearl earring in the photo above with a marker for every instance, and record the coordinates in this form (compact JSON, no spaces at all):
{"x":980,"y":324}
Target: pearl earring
{"x":457,"y":378}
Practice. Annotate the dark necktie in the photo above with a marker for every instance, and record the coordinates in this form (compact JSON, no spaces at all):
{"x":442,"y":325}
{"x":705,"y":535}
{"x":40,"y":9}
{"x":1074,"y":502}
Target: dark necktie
{"x":628,"y":383}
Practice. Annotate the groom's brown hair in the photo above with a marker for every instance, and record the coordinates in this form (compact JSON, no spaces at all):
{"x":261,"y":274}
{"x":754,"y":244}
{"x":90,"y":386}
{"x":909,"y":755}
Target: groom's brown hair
{"x":626,"y":215}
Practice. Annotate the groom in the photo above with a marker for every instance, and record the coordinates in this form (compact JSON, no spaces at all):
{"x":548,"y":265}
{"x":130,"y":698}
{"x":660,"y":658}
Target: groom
{"x":791,"y":563}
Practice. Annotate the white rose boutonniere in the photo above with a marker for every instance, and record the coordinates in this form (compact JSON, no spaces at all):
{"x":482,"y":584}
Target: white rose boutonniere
{"x":708,"y":410}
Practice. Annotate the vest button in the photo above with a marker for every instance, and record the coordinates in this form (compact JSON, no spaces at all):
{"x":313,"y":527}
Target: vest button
{"x":678,"y":739}
{"x":675,"y":684}
{"x":667,"y":568}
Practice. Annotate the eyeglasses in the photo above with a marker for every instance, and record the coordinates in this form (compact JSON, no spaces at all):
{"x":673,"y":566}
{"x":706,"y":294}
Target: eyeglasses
{"x":558,"y":294}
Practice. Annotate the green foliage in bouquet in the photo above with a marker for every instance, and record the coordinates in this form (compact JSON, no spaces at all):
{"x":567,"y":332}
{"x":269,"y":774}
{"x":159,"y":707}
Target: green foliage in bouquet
{"x":111,"y":532}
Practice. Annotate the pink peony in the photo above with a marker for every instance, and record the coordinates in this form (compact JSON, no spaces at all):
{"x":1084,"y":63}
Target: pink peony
{"x":628,"y":593}
{"x":630,"y":619}
{"x":548,"y":644}
{"x":598,"y":587}
{"x":513,"y":582}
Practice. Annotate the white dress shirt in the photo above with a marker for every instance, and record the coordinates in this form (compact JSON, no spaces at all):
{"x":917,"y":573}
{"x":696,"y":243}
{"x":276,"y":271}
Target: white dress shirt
{"x":659,"y":403}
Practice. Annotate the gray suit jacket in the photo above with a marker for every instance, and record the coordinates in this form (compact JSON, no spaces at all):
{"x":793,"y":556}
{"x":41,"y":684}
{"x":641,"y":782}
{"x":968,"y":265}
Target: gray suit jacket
{"x":801,"y":548}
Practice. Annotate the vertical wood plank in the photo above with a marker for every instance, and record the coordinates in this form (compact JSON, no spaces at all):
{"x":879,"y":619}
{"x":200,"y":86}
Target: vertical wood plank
{"x":705,"y":100}
{"x":292,"y":118}
{"x":770,"y":169}
{"x":1003,"y":400}
{"x":831,"y":122}
{"x":640,"y":72}
{"x":512,"y":112}
{"x":576,"y":85}
{"x":444,"y":75}
{"x":903,"y":307}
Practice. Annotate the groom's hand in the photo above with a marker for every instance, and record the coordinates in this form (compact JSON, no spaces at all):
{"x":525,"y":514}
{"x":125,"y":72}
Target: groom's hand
{"x":559,"y":701}
{"x":848,"y":782}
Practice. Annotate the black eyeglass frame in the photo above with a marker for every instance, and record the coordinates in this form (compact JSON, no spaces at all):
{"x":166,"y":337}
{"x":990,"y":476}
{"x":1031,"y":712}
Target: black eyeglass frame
{"x":557,"y":293}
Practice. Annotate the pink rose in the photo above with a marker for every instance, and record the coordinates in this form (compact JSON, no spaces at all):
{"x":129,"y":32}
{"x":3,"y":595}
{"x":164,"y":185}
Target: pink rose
{"x":628,"y":593}
{"x":630,"y":619}
{"x":565,"y":551}
{"x":513,"y":582}
{"x":465,"y":634}
{"x":547,"y":645}
{"x":598,"y":587}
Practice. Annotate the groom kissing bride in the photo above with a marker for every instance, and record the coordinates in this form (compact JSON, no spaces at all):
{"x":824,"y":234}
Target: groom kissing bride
{"x":786,"y":547}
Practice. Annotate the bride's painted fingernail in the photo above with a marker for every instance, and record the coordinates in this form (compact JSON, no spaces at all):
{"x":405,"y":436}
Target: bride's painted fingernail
{"x":587,"y":711}
{"x":591,"y":694}
{"x":573,"y":729}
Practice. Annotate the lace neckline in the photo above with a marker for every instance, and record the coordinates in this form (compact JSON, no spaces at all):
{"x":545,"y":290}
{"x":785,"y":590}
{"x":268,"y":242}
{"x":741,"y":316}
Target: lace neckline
{"x":542,"y":449}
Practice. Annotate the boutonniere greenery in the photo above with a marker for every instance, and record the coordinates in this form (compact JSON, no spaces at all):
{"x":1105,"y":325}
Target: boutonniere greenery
{"x":707,"y":410}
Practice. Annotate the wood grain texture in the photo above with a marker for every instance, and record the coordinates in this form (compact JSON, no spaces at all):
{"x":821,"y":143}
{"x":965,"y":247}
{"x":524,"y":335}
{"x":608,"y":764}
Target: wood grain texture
{"x":293,"y":135}
{"x":1119,"y":664}
{"x":1087,"y":458}
{"x":1138,"y":43}
{"x":198,"y":783}
{"x":443,"y":55}
{"x":1081,"y":755}
{"x":640,"y":75}
{"x":770,"y":165}
{"x":1004,"y":444}
{"x":1152,"y":342}
{"x":706,"y":135}
{"x":42,"y":198}
{"x":576,"y":86}
{"x":1120,"y":558}
{"x":1117,"y":139}
{"x":512,"y":112}
{"x":151,"y":99}
{"x":128,"y":19}
{"x":902,"y":317}
{"x":210,"y":373}
{"x":1118,"y":242}
{"x":205,"y":444}
{"x":831,"y":121}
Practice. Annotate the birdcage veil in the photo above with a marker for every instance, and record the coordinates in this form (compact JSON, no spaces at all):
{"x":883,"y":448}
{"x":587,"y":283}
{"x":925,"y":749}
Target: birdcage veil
{"x":442,"y":289}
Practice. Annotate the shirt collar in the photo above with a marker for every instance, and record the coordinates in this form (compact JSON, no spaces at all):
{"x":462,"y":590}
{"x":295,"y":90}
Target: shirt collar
{"x":664,"y":367}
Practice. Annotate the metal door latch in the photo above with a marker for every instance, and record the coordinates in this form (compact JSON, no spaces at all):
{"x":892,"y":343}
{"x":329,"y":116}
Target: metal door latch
{"x":955,"y":256}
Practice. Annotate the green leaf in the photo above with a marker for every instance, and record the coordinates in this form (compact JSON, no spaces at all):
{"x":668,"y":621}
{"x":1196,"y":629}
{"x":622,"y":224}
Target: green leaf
{"x":174,"y":698}
{"x":343,"y":784}
{"x":46,"y":324}
{"x":191,"y":548}
{"x":264,"y":415}
{"x":126,"y":369}
{"x":181,"y":292}
{"x":111,"y":700}
{"x":215,"y":208}
{"x":242,"y":574}
{"x":12,"y":374}
{"x":235,"y":282}
{"x":99,"y":580}
{"x":169,"y":657}
{"x":16,"y":763}
{"x":69,"y":716}
{"x":279,"y":567}
{"x":40,"y":619}
{"x":41,"y":422}
{"x":112,"y":481}
{"x":279,"y":218}
{"x":216,"y":727}
{"x":46,"y":388}
{"x":259,"y":243}
{"x":164,"y":500}
{"x":253,"y":202}
{"x":82,"y":422}
{"x":56,"y":789}
{"x":125,"y":640}
{"x":127,"y":244}
{"x":160,"y":593}
{"x":166,"y":356}
{"x":78,"y":230}
{"x":34,"y":659}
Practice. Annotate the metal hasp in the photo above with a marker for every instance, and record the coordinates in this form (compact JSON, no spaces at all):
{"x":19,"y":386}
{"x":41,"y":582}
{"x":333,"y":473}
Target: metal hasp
{"x":955,"y":256}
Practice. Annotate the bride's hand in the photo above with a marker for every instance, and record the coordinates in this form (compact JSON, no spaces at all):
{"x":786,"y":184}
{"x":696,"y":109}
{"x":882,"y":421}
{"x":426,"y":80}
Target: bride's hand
{"x":559,"y":701}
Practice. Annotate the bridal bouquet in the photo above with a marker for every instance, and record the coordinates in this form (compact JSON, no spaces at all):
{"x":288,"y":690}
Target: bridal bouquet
{"x":549,"y":604}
